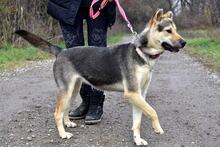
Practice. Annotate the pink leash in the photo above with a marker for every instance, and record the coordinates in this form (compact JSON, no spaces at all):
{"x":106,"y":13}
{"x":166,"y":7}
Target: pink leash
{"x":91,"y":12}
{"x":121,"y":10}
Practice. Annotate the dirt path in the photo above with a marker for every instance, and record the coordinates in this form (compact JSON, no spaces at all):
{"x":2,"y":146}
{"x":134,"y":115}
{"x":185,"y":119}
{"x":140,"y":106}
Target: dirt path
{"x":185,"y":95}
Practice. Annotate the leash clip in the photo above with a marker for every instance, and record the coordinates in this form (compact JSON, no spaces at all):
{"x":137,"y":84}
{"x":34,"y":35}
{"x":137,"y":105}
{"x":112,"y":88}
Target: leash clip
{"x":134,"y":33}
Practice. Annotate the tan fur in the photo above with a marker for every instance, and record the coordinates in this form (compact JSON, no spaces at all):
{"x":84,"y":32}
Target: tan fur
{"x":155,"y":35}
{"x":136,"y":99}
{"x":169,"y":14}
{"x":62,"y":107}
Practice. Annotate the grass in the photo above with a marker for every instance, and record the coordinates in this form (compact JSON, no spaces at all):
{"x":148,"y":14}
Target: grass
{"x":13,"y":57}
{"x":207,"y":50}
{"x":115,"y":38}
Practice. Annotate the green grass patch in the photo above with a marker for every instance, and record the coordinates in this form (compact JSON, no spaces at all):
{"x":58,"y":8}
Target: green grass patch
{"x":12,"y":57}
{"x":206,"y":50}
{"x":115,"y":38}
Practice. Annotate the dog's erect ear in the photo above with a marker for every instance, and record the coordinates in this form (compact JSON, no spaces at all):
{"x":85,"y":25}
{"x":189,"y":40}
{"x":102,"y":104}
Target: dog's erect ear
{"x":156,"y":18}
{"x":158,"y":15}
{"x":169,"y":14}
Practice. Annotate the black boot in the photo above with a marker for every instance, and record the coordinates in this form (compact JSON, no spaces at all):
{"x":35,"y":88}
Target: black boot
{"x":94,"y":115}
{"x":95,"y":111}
{"x":81,"y":111}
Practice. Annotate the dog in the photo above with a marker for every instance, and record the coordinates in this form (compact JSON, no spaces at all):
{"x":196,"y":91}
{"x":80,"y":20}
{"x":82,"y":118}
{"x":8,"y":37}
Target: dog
{"x":125,"y":67}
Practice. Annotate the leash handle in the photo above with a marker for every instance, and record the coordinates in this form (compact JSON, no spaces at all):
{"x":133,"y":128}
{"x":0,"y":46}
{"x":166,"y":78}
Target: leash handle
{"x":91,"y":12}
{"x":121,"y":10}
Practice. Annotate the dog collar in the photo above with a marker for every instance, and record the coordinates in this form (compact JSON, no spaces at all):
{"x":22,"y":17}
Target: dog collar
{"x":153,"y":56}
{"x":141,"y":54}
{"x":145,"y":55}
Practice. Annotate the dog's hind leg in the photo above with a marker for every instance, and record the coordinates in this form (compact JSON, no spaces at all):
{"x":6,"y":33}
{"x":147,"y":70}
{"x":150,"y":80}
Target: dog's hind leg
{"x":76,"y":90}
{"x":66,"y":87}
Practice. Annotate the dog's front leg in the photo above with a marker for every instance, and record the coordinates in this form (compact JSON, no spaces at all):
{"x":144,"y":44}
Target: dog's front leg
{"x":145,"y":87}
{"x":137,"y":99}
{"x":137,"y":115}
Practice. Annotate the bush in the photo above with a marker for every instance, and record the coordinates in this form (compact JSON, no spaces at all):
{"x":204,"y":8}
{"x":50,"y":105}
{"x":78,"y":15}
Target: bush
{"x":214,"y":34}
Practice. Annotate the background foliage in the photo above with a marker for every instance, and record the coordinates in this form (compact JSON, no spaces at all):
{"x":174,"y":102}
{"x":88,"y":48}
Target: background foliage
{"x":32,"y":16}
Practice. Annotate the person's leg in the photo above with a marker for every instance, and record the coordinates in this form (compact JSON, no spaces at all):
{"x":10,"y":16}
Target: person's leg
{"x":73,"y":36}
{"x":97,"y":34}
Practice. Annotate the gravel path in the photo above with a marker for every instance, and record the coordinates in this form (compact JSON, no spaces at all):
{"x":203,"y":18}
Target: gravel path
{"x":185,"y":95}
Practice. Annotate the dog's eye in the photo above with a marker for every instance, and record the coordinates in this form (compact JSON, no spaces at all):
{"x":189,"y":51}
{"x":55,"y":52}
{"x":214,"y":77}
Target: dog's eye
{"x":169,"y":31}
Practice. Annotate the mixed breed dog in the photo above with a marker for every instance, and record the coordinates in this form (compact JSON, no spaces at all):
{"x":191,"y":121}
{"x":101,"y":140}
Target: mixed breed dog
{"x":125,"y":67}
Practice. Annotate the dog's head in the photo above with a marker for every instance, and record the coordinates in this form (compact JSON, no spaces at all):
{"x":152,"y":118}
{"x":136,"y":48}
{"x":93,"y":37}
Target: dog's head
{"x":161,"y":34}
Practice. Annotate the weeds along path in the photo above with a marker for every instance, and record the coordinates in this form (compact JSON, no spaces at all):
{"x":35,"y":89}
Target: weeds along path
{"x":185,"y":95}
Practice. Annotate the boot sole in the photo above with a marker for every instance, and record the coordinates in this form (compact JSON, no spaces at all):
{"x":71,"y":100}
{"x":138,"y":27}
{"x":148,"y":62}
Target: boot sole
{"x":93,"y":122}
{"x":77,"y":117}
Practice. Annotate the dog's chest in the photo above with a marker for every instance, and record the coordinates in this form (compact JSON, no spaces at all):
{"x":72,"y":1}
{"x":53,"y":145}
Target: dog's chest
{"x":143,"y":73}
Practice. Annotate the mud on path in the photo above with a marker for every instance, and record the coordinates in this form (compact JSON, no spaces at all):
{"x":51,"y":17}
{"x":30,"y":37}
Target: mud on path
{"x":185,"y":95}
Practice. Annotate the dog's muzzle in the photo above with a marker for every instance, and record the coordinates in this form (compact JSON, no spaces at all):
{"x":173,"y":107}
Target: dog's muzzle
{"x":176,"y":47}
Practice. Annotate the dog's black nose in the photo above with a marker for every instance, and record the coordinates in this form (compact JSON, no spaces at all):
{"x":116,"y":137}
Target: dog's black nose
{"x":182,"y":42}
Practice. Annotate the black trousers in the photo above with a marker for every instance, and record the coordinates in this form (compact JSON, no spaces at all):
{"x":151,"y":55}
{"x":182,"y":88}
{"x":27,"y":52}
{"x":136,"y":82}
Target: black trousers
{"x":97,"y":34}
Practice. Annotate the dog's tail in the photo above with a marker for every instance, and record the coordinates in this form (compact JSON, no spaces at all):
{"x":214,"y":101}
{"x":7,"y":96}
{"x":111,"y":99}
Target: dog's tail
{"x":39,"y":42}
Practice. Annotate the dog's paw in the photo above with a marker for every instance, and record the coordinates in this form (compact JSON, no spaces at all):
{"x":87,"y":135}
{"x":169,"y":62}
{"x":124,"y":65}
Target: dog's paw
{"x":140,"y":141}
{"x":70,"y":124}
{"x":159,"y":130}
{"x":66,"y":135}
